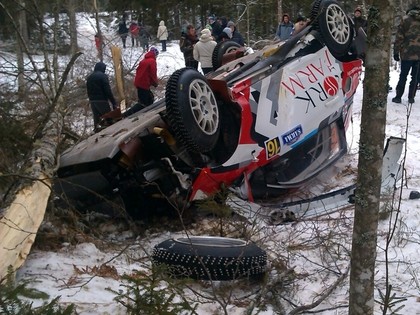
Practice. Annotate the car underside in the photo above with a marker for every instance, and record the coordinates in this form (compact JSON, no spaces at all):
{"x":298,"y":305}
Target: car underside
{"x":260,"y":124}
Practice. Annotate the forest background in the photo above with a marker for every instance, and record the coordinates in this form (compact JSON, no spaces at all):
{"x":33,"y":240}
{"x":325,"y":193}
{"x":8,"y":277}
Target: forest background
{"x":23,"y":113}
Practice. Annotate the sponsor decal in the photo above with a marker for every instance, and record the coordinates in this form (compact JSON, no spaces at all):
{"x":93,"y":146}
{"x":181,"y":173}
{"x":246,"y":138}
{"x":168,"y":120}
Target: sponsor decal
{"x":272,"y":147}
{"x":292,"y":136}
{"x":315,"y":82}
{"x":331,"y":85}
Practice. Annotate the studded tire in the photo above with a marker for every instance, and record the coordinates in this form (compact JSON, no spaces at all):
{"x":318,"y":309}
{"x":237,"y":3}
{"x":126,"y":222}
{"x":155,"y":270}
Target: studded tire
{"x":336,"y":28}
{"x":222,"y":48}
{"x":211,"y":258}
{"x":192,"y":110}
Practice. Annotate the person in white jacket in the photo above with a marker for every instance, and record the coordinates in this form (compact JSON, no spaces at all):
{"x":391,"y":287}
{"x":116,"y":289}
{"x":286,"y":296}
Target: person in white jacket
{"x":162,"y":34}
{"x":203,"y":50}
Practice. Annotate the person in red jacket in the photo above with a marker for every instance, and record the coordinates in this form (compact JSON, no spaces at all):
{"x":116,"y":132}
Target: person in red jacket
{"x":134,"y":32}
{"x":146,"y":76}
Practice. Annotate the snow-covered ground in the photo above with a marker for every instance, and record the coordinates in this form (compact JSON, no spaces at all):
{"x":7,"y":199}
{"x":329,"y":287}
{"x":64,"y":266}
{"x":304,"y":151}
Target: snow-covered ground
{"x":82,"y":273}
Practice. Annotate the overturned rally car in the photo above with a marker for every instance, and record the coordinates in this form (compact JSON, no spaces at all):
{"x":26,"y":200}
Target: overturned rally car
{"x":260,"y":124}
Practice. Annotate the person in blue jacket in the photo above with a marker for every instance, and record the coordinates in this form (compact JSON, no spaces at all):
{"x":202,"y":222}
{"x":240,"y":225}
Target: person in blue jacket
{"x":285,"y":29}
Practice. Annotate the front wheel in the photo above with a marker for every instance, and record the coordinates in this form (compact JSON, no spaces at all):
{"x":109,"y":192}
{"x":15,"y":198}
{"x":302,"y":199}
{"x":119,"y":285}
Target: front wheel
{"x":222,"y":48}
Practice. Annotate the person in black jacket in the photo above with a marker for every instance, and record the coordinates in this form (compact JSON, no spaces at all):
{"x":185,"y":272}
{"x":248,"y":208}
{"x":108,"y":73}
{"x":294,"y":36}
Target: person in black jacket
{"x":99,"y":93}
{"x":123,"y":30}
{"x":236,"y":36}
{"x":359,"y":20}
{"x":186,"y":44}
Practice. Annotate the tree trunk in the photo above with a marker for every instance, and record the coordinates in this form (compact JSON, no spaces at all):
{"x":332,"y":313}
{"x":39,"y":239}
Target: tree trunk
{"x":21,"y":220}
{"x":71,"y":9}
{"x":279,"y":10}
{"x":23,"y":31}
{"x":98,"y":31}
{"x":372,"y":136}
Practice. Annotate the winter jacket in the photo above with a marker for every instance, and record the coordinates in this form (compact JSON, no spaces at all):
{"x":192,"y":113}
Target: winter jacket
{"x":285,"y":30}
{"x":144,"y":36}
{"x":186,"y":44}
{"x":146,"y":73}
{"x":134,"y":29}
{"x":216,"y":29}
{"x":162,"y":32}
{"x":360,"y":22}
{"x":97,"y":84}
{"x":237,"y":37}
{"x":203,"y":50}
{"x":122,"y":28}
{"x":407,"y":39}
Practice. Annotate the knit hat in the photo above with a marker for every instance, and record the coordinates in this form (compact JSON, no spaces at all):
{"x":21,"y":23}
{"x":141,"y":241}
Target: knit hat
{"x":205,"y":34}
{"x":155,"y":50}
{"x":230,"y":23}
{"x":228,"y":32}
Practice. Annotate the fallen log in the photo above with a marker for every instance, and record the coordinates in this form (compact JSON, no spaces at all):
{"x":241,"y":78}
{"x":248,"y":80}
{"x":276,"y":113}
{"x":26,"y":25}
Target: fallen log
{"x":25,"y":207}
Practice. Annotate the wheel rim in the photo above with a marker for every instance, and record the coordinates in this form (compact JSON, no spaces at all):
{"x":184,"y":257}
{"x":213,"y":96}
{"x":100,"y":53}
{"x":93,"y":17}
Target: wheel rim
{"x":231,"y":49}
{"x":204,"y":107}
{"x":338,"y":24}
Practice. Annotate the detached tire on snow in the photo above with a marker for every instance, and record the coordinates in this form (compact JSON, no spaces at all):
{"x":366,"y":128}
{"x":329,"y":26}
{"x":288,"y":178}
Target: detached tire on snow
{"x":336,"y":28}
{"x":192,"y":110}
{"x":211,"y":258}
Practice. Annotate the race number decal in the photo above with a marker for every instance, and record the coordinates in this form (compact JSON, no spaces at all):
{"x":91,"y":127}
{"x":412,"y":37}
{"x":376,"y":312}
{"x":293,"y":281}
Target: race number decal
{"x":272,"y":147}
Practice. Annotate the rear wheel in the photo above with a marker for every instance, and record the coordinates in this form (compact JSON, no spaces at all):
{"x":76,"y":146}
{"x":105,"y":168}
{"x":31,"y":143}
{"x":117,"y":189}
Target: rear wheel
{"x":336,"y":28}
{"x":192,"y":110}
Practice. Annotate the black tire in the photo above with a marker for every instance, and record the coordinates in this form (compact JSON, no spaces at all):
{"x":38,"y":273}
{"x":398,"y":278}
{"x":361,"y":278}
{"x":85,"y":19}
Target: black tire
{"x":192,"y":110}
{"x":221,"y":49}
{"x":211,"y":258}
{"x":315,"y":12}
{"x":336,"y":28}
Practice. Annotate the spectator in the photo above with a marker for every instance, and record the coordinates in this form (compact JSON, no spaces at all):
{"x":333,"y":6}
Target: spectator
{"x":215,"y":27}
{"x":162,"y":34}
{"x":236,"y":36}
{"x":226,"y":35}
{"x":123,"y":30}
{"x":134,"y":32}
{"x":223,"y":21}
{"x":99,"y":93}
{"x":285,"y":29}
{"x":146,"y":77}
{"x":407,"y":48}
{"x":144,"y":38}
{"x":203,"y":50}
{"x":359,"y":20}
{"x":186,"y":44}
{"x":99,"y":44}
{"x":299,"y":25}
